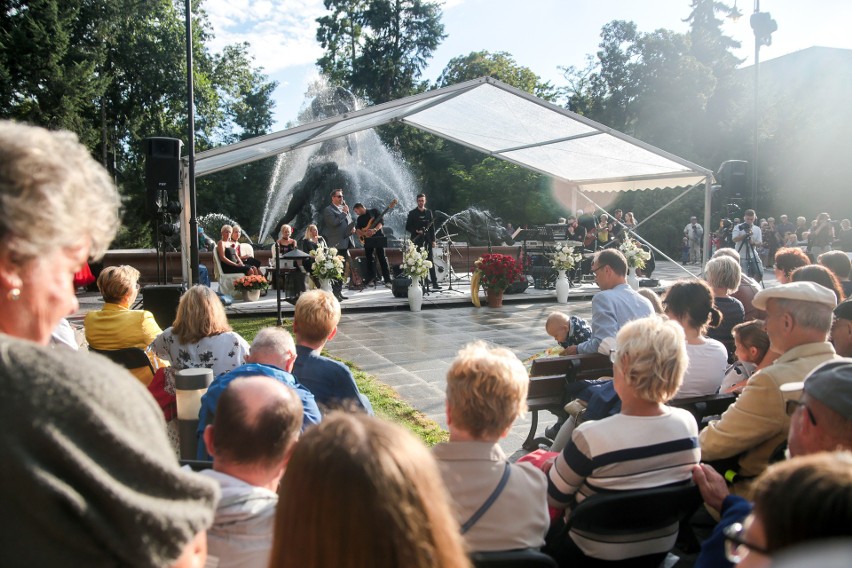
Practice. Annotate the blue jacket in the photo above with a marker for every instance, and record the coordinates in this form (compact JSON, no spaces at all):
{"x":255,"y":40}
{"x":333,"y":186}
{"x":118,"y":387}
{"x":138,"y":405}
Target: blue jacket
{"x":210,"y":399}
{"x":330,"y":381}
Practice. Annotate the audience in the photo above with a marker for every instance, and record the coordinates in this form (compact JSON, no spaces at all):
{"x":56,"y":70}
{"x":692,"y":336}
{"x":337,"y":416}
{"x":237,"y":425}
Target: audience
{"x":820,"y":275}
{"x":690,"y":304}
{"x":331,"y":382}
{"x":798,"y":318}
{"x":838,"y":262}
{"x":652,"y":297}
{"x":788,"y":259}
{"x":251,"y":439}
{"x":841,"y":329}
{"x":201,"y":336}
{"x":649,"y":444}
{"x":88,"y":477}
{"x":363,"y":493}
{"x":273,"y":355}
{"x":116,"y":326}
{"x":747,"y":289}
{"x":752,"y":353}
{"x":486,"y":392}
{"x":723,"y":275}
{"x":567,"y":330}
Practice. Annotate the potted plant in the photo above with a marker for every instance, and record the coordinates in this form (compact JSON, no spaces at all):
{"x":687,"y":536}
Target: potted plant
{"x":494,"y":272}
{"x":251,"y":286}
{"x":636,"y":258}
{"x":328,"y":266}
{"x":415,"y":265}
{"x":564,"y":258}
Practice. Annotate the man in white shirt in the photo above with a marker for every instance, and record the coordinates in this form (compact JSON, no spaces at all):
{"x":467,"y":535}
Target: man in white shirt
{"x":747,"y":237}
{"x":695,"y":233}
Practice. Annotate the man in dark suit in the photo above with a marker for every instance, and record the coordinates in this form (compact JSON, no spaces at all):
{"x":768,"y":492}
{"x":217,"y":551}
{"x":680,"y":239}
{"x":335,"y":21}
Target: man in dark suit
{"x":420,"y":224}
{"x":337,"y":232}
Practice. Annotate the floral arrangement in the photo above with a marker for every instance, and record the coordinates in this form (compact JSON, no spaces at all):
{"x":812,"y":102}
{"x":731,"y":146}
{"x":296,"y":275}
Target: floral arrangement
{"x":636,"y":256}
{"x":415,"y":262}
{"x":251,"y":282}
{"x":564,"y":257}
{"x":327,"y":264}
{"x":497,"y":271}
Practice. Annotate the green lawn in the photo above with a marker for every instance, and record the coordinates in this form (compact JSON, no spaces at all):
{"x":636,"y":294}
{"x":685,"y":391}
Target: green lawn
{"x":386,"y":402}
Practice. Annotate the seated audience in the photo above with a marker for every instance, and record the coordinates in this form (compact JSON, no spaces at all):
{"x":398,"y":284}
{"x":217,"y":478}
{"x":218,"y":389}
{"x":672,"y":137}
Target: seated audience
{"x":87,"y":475}
{"x":567,"y":330}
{"x":272,"y":354}
{"x":838,"y":262}
{"x":361,"y":492}
{"x":116,"y":326}
{"x":723,"y":275}
{"x":486,"y":392}
{"x":752,"y":352}
{"x":647,"y":445}
{"x":787,"y":260}
{"x":243,"y":250}
{"x":251,"y":439}
{"x":747,"y":288}
{"x":822,"y":276}
{"x":331,"y":382}
{"x":652,"y":297}
{"x":841,"y":329}
{"x":690,"y":304}
{"x":798,"y":318}
{"x":200,"y":336}
{"x":229,"y":258}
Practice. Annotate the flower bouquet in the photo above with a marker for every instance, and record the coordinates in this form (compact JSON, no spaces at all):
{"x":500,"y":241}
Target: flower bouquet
{"x":497,"y":271}
{"x":636,"y":256}
{"x":251,"y":282}
{"x":327,"y":264}
{"x":415,"y":262}
{"x":564,"y":257}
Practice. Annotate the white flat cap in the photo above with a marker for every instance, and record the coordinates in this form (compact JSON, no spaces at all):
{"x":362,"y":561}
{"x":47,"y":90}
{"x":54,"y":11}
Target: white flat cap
{"x":801,"y":291}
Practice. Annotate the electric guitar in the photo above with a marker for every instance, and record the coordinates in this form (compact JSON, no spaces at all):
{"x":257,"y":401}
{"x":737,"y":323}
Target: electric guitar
{"x":362,"y":233}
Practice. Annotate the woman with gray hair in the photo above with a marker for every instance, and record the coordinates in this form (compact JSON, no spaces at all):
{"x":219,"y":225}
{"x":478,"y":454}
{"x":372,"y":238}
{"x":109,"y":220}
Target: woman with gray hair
{"x":88,"y":476}
{"x":723,"y":275}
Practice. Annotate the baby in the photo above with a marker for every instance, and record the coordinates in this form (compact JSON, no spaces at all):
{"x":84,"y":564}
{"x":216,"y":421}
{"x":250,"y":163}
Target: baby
{"x":567,"y":330}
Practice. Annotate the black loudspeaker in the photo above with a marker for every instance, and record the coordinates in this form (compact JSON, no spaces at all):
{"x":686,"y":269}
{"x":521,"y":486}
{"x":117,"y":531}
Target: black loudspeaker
{"x":400,"y":286}
{"x":733,"y":177}
{"x":162,"y":171}
{"x":162,"y":300}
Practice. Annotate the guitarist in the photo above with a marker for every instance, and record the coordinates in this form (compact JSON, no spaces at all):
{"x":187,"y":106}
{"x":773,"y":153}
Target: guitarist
{"x":421,"y":225}
{"x":369,"y":224}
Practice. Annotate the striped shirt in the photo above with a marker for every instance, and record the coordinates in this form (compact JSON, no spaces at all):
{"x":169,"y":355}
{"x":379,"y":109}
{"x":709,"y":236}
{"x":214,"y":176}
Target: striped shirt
{"x":621,"y":453}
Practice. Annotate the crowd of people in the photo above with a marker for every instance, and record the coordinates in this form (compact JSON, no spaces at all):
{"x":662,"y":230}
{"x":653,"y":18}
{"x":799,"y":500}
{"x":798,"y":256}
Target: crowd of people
{"x":302,"y":474}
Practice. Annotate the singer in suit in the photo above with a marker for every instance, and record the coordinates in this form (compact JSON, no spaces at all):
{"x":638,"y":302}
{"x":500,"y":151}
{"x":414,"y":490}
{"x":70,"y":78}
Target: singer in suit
{"x":420,"y":224}
{"x":337,"y":232}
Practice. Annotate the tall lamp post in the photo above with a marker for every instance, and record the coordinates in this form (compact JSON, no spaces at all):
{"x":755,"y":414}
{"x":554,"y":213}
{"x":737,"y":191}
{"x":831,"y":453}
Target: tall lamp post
{"x":763,"y":25}
{"x":190,"y":95}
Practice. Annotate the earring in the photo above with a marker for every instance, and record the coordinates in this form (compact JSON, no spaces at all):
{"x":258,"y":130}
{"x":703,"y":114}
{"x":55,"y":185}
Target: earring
{"x":14,"y":294}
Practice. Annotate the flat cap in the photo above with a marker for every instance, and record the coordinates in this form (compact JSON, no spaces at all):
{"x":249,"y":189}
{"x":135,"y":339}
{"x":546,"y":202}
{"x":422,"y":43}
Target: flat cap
{"x":830,"y":383}
{"x":801,"y":291}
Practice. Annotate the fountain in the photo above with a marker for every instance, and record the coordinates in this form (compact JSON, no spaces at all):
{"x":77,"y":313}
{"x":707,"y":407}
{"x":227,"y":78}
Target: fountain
{"x":359,"y":163}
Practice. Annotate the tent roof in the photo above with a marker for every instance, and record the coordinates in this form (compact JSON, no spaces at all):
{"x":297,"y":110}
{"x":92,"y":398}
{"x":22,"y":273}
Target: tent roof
{"x":498,"y":120}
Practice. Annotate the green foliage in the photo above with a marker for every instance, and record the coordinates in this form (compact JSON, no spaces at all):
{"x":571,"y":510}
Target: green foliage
{"x":500,"y":66}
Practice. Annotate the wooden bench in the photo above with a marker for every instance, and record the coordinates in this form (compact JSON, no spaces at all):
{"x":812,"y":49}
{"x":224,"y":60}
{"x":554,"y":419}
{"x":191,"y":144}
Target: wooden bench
{"x":548,"y":377}
{"x":703,"y":406}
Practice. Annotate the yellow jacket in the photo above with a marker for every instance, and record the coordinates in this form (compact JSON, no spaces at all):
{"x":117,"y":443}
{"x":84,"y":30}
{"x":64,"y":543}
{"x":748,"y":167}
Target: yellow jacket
{"x":117,"y":327}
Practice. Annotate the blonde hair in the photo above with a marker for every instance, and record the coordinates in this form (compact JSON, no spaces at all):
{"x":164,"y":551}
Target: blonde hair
{"x":117,"y":282}
{"x":200,"y":314}
{"x":53,"y":194}
{"x":486,"y":390}
{"x":316,"y":315}
{"x":375,"y":488}
{"x":723,"y":272}
{"x":281,"y":230}
{"x":652,"y":354}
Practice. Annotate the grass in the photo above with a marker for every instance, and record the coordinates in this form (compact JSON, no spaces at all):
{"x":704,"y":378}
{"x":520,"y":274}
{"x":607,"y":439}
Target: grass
{"x":386,"y":402}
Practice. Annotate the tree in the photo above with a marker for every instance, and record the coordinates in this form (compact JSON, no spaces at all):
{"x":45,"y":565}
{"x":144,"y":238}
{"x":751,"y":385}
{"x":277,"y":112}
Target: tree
{"x":500,"y":66}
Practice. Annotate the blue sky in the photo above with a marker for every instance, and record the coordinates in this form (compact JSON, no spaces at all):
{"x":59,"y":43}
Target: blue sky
{"x":541,"y":34}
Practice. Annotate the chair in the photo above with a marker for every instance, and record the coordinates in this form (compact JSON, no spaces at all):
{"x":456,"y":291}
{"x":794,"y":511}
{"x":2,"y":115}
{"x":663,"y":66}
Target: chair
{"x":656,"y":511}
{"x":226,"y":281}
{"x":525,"y":557}
{"x":129,"y":357}
{"x":702,"y":407}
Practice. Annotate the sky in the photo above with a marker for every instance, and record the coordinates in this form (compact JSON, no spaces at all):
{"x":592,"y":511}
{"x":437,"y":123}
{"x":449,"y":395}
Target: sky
{"x":543,"y":35}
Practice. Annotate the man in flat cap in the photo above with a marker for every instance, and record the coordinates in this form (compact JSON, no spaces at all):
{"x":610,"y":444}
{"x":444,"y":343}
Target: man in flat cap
{"x":798,"y":319}
{"x":841,"y":329}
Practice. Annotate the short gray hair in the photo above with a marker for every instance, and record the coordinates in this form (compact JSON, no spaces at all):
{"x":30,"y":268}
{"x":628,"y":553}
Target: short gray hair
{"x":53,"y":194}
{"x":275,"y":339}
{"x":813,"y":315}
{"x":723,"y":272}
{"x":727,"y":252}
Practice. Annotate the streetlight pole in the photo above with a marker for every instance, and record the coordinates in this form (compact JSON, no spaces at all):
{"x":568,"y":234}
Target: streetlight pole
{"x":193,"y":220}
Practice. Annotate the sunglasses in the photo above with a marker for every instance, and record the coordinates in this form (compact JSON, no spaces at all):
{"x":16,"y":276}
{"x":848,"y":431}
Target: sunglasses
{"x":792,"y":405}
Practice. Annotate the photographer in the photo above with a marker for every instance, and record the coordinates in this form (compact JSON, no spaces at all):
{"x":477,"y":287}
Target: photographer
{"x":747,"y":236}
{"x":822,"y":236}
{"x":695,"y":233}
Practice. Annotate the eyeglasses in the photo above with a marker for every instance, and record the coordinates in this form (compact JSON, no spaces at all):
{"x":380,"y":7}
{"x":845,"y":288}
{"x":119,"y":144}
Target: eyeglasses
{"x":595,"y":270}
{"x":338,"y":195}
{"x":792,"y":405}
{"x":736,"y":547}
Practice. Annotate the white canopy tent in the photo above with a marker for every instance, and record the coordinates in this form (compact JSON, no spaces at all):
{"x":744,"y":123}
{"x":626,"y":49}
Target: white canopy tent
{"x":498,"y":120}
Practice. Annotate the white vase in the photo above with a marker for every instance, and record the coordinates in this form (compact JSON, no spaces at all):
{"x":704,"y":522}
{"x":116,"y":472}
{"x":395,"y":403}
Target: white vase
{"x":251,"y":295}
{"x":325,"y":284}
{"x":631,"y":278}
{"x":415,"y":296}
{"x":562,"y":287}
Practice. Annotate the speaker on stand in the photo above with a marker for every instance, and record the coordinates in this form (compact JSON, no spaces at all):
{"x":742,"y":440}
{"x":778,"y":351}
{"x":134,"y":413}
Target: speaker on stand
{"x":162,"y":186}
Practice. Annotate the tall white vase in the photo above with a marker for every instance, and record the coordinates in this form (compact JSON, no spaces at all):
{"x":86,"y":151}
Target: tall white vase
{"x":325,"y":284}
{"x":562,"y":287}
{"x":415,"y":296}
{"x":631,"y":278}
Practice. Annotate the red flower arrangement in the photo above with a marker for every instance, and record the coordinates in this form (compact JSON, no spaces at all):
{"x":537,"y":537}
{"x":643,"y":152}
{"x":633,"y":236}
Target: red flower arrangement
{"x":251,"y":282}
{"x":498,"y":271}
